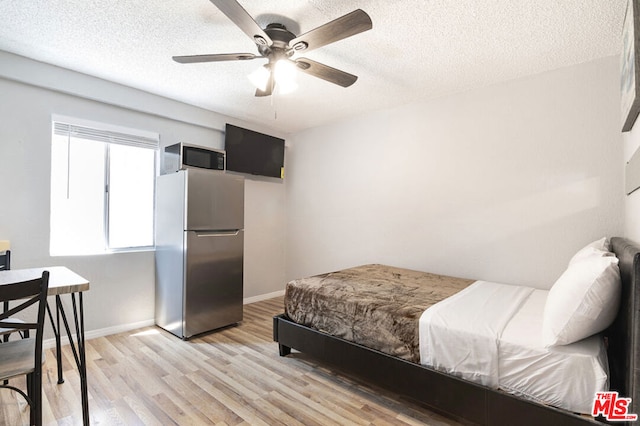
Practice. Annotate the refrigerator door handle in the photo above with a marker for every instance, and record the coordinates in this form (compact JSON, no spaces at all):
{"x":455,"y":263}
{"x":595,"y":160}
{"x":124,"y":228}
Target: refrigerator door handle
{"x":218,"y":233}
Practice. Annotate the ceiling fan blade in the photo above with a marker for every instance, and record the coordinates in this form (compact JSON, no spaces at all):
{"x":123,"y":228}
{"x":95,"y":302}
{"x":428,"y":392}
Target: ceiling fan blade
{"x":234,"y":11}
{"x":346,"y":26}
{"x":190,"y":59}
{"x":271,"y":84}
{"x":326,"y":72}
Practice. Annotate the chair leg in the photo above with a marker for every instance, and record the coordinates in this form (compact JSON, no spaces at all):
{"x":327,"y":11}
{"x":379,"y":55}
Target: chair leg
{"x":5,"y":339}
{"x":29,"y":384}
{"x":32,"y":413}
{"x":36,"y":399}
{"x":34,"y":392}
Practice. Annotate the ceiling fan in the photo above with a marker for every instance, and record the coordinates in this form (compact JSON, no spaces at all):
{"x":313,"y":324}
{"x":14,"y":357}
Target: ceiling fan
{"x":278,"y":45}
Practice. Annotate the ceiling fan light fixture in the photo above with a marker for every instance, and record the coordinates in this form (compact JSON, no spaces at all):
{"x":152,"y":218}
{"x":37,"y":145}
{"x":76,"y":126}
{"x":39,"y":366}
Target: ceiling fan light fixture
{"x":260,"y":77}
{"x":286,"y":88}
{"x":285,"y":75}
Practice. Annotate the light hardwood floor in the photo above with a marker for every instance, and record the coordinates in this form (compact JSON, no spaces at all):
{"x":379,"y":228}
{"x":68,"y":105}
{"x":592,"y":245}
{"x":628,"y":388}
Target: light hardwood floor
{"x":230,"y":377}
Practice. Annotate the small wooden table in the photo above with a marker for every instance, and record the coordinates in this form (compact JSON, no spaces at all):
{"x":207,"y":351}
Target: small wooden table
{"x":62,"y":281}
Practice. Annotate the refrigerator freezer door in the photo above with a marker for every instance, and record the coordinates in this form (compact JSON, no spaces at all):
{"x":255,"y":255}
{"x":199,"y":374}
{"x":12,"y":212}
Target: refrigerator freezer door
{"x":215,"y":201}
{"x":213,"y":296}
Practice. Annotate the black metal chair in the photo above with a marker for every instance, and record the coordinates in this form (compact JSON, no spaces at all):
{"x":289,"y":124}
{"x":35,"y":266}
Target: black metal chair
{"x":24,"y":356}
{"x":5,"y":260}
{"x":5,"y":265}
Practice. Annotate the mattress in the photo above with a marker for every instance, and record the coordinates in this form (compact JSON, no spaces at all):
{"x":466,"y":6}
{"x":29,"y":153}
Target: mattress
{"x":377,"y":306}
{"x":565,"y":376}
{"x":460,"y":335}
{"x":491,"y":334}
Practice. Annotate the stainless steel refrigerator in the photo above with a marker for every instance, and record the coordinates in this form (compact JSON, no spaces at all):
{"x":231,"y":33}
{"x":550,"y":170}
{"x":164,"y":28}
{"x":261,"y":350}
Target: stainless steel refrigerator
{"x":199,"y":251}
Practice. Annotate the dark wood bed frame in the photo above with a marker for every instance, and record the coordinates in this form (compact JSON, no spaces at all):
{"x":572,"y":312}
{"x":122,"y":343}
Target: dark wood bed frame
{"x":468,"y":401}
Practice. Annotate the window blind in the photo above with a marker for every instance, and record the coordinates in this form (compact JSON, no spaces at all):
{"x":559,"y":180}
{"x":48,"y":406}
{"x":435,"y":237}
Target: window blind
{"x":73,"y":130}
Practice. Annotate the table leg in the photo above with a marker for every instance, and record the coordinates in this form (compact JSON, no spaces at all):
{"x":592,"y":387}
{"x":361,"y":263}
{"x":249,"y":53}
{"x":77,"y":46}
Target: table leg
{"x":56,"y":331}
{"x":83,"y":358}
{"x":78,"y":349}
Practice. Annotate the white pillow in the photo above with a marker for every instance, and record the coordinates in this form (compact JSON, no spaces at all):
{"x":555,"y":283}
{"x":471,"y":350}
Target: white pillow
{"x":583,"y":301}
{"x":600,"y":247}
{"x":589,"y":252}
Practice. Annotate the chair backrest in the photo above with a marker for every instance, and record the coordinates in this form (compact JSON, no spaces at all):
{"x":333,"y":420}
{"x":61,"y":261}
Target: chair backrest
{"x":5,"y":260}
{"x":27,"y":293}
{"x":5,"y":265}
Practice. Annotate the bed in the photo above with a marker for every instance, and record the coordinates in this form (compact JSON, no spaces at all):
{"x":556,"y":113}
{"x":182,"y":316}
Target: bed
{"x":393,"y":365}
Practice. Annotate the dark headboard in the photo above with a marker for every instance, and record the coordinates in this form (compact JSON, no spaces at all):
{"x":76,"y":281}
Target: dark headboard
{"x":623,"y":338}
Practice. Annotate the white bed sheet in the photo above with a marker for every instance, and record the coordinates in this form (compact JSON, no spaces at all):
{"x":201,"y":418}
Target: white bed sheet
{"x":563,"y":376}
{"x":460,"y":334}
{"x":491,"y":334}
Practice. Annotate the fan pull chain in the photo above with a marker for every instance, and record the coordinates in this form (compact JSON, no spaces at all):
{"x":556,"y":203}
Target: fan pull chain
{"x":273,"y":105}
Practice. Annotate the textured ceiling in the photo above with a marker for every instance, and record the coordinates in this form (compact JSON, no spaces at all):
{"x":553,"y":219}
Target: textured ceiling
{"x":417,"y":49}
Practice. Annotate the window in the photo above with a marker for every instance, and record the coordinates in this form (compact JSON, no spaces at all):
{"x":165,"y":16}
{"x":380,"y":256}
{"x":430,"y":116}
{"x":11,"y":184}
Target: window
{"x":102,"y":189}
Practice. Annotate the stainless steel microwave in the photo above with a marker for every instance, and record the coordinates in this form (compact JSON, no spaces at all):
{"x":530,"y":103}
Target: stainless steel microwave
{"x":181,"y":156}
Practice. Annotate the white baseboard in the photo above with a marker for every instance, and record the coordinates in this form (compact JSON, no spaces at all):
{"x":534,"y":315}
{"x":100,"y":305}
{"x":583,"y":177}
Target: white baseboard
{"x":51,"y":343}
{"x":262,"y":297}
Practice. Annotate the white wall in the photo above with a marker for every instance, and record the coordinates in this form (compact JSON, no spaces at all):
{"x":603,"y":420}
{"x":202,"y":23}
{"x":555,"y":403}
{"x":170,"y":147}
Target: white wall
{"x":501,"y":183}
{"x":122,"y":285}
